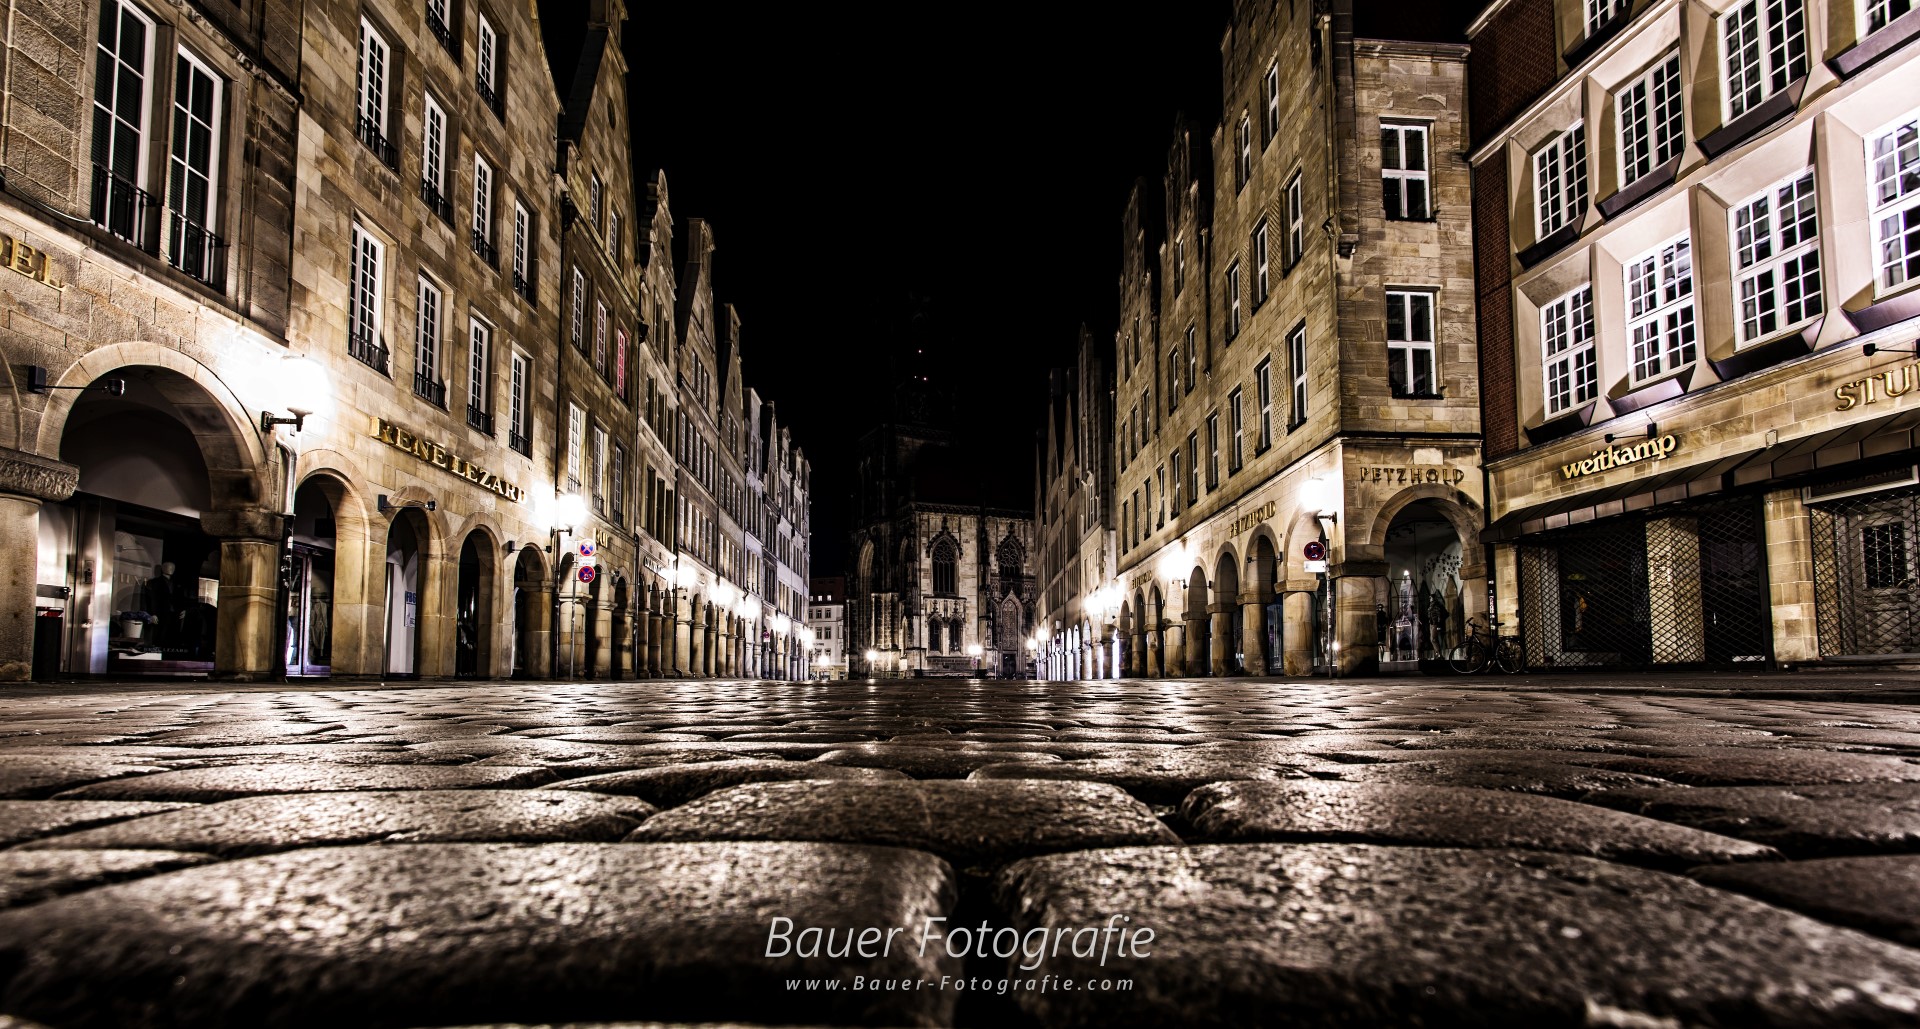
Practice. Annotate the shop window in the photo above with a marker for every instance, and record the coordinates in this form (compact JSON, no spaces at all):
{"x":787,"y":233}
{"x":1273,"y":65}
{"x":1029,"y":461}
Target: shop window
{"x":1660,"y":327}
{"x":1895,"y":195}
{"x":1766,"y":48}
{"x":1649,"y":112}
{"x":1403,"y":171}
{"x":1776,"y":257}
{"x":1884,"y":557}
{"x":1410,"y":344}
{"x":1568,"y":358}
{"x":1560,"y":181}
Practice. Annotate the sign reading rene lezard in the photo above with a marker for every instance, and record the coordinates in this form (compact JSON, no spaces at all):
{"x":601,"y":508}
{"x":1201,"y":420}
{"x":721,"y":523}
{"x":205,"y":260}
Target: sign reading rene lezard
{"x":440,"y":457}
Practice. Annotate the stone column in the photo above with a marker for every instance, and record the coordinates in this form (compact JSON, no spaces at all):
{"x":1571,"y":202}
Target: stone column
{"x":622,"y":637}
{"x":603,"y":638}
{"x":1220,"y":656}
{"x":539,"y":636}
{"x":1297,"y":630}
{"x":642,"y":628}
{"x":1198,"y":661}
{"x":696,"y":649}
{"x":1173,"y":650}
{"x":656,"y":641}
{"x":1137,"y":664}
{"x":1790,"y":578}
{"x":1674,"y":601}
{"x":1150,"y":663}
{"x":26,"y":481}
{"x":244,"y":636}
{"x":1355,"y":627}
{"x":1253,"y":627}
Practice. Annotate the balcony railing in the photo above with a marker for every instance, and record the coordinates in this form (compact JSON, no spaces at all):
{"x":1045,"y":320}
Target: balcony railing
{"x":485,"y":248}
{"x":519,"y":443}
{"x":438,"y":29}
{"x":199,"y":253}
{"x":482,"y":420}
{"x":126,"y":210}
{"x":362,"y":347}
{"x":524,"y":286}
{"x":430,"y":389}
{"x":376,"y":141}
{"x":436,"y":201}
{"x":487,"y":93}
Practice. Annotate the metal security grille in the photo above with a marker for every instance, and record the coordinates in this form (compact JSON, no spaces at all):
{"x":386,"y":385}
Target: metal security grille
{"x":1864,"y":573}
{"x":1681,"y":585}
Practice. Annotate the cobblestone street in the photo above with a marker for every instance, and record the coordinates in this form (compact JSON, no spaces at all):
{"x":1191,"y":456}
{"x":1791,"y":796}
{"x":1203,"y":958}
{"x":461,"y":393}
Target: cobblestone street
{"x":1730,"y":850}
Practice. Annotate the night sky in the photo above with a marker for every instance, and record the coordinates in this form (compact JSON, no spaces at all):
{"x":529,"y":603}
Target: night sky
{"x":939,"y":179}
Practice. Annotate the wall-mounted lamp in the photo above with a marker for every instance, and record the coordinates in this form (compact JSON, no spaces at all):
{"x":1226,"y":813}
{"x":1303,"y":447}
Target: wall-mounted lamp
{"x":304,"y":383}
{"x":1653,"y":430}
{"x":386,"y":503}
{"x":512,"y":545}
{"x":37,"y":383}
{"x":1875,"y":348}
{"x":569,"y":510}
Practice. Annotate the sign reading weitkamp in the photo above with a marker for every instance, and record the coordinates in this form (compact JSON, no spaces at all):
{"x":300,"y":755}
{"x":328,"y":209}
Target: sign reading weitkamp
{"x":1614,"y":457}
{"x":440,"y":457}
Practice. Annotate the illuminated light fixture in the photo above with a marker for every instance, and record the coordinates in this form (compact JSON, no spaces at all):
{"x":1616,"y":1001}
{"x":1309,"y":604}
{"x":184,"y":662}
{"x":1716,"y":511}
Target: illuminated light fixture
{"x":973,"y":650}
{"x":684,"y":576}
{"x":779,"y":625}
{"x":872,"y":656}
{"x":1174,"y":565}
{"x":303,"y":383}
{"x":1317,"y":496}
{"x":569,"y":510}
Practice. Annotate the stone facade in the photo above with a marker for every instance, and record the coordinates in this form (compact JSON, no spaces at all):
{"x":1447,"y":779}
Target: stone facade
{"x":1771,"y":446}
{"x":1320,"y":242}
{"x":1073,"y":520}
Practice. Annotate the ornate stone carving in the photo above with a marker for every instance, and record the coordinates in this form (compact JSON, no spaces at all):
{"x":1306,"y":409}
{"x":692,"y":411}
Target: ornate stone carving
{"x":35,"y":476}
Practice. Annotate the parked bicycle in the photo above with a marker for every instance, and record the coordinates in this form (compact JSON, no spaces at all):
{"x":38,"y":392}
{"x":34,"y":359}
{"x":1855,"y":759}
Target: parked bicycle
{"x":1484,"y":648}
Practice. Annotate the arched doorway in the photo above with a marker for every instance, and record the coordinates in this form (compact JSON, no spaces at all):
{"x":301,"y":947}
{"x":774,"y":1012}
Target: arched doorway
{"x":131,"y":576}
{"x":407,"y":544}
{"x":1155,"y":631}
{"x":1422,"y":609}
{"x":531,"y":607}
{"x":473,"y":624}
{"x":310,"y":588}
{"x":1227,"y":627}
{"x":1271,"y":628}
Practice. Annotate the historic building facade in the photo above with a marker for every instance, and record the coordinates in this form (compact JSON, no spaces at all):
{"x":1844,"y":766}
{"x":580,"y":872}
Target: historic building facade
{"x":827,"y":618}
{"x":316,"y":325}
{"x":1073,"y":521}
{"x":1696,"y":271}
{"x":1295,"y":365}
{"x":940,"y":565}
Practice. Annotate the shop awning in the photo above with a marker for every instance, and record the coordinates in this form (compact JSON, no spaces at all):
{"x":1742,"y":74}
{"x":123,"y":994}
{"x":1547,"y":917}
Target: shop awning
{"x":1876,"y":437}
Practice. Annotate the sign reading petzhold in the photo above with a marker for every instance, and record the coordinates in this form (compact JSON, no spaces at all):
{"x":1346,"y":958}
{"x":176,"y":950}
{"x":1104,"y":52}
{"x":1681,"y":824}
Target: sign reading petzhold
{"x":439,"y":457}
{"x":1614,"y":457}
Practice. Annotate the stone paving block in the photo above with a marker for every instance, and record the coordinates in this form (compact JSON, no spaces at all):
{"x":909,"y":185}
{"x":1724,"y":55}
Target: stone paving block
{"x":926,"y":762}
{"x":1880,"y":895}
{"x":29,"y":776}
{"x":970,"y":823}
{"x":22,"y":820}
{"x":228,"y":782}
{"x":673,"y":785}
{"x":1349,"y":935}
{"x":1449,"y":816}
{"x":1760,"y":767}
{"x":27,"y":877}
{"x":242,"y":734}
{"x":451,"y":933}
{"x":1522,"y":772}
{"x":262,"y":825}
{"x":1158,"y":778}
{"x":1803,"y":821}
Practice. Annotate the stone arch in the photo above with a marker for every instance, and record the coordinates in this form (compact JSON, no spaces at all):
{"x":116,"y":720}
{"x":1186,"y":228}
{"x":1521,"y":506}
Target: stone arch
{"x":1460,"y":511}
{"x":532,"y":607}
{"x":478,"y":629}
{"x":1261,"y":560}
{"x":356,"y":597}
{"x":410,"y":564}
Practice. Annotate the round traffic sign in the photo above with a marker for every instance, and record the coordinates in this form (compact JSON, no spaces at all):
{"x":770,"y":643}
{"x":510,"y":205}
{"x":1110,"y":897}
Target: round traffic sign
{"x":586,"y":573}
{"x":586,"y":548}
{"x":1314,"y":550}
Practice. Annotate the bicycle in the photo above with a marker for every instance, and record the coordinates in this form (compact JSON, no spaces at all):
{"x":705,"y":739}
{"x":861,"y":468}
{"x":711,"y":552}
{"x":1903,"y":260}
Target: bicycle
{"x":1483,"y":649}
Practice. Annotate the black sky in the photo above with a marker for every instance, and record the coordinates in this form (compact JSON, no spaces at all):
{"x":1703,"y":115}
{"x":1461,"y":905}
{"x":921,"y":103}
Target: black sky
{"x":968,"y":164}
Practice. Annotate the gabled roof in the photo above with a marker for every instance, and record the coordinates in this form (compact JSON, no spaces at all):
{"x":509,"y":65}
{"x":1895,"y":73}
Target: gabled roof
{"x":586,"y":75}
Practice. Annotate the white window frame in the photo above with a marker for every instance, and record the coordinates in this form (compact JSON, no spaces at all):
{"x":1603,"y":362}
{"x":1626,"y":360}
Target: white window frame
{"x":1296,"y":222}
{"x":1884,"y":11}
{"x":430,"y":313}
{"x":373,"y":106}
{"x":1193,"y":356}
{"x":576,"y":442}
{"x":141,"y":120}
{"x":597,"y":457}
{"x":479,"y":364}
{"x":486,"y":48}
{"x":482,"y":199}
{"x":595,"y":202}
{"x":1600,"y":12}
{"x":175,"y":160}
{"x":1233,"y":301}
{"x":1237,"y":425}
{"x":578,"y":323}
{"x":1263,"y":390}
{"x":366,"y":287}
{"x":1297,"y":373}
{"x":1213,"y":450}
{"x":1763,"y":49}
{"x":1662,"y":334}
{"x":1402,"y":181}
{"x":433,"y":144}
{"x":1173,"y":378}
{"x":600,"y":336}
{"x":522,"y":222}
{"x":613,"y":235}
{"x":1775,"y":236}
{"x":1569,"y":364}
{"x":1654,"y":101}
{"x":1273,"y":101}
{"x":1179,"y":282}
{"x":1262,"y":266}
{"x":1560,"y":181}
{"x":1243,"y":164}
{"x":1410,"y":351}
{"x":1893,"y":200}
{"x":518,"y":376}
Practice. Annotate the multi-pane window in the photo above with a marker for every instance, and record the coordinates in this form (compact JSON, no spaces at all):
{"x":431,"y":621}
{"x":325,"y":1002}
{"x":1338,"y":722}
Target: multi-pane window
{"x":376,"y":60}
{"x":1261,"y":266}
{"x":613,"y":236}
{"x":1193,"y":357}
{"x":1179,"y":272}
{"x":1296,"y":222}
{"x":1403,"y":170}
{"x":433,"y":153}
{"x":125,"y":64}
{"x":194,"y":165}
{"x":1567,"y":356}
{"x":1560,"y":181}
{"x":600,"y":337}
{"x":1236,"y":426}
{"x":1173,"y":378}
{"x":1649,"y":114}
{"x":1173,"y":462}
{"x":521,"y":433}
{"x":1660,"y":329}
{"x":1881,"y":12}
{"x":1193,"y":468}
{"x":618,"y":487}
{"x":479,"y":371}
{"x":1776,"y":258}
{"x":426,"y":345}
{"x":597,"y":467}
{"x":1884,"y":556}
{"x":620,"y":362}
{"x":1600,"y":12}
{"x":1243,"y":148}
{"x":1233,"y":301}
{"x":1895,"y":196}
{"x":364,"y":290}
{"x":487,"y":61}
{"x":521,"y":247}
{"x":1213,"y":450}
{"x":576,"y":441}
{"x":1766,"y":48}
{"x":1297,"y":373}
{"x":1263,"y":391}
{"x":482,"y":201}
{"x":1410,"y":343}
{"x":1272,"y":119}
{"x":595,"y":199}
{"x":578,"y":319}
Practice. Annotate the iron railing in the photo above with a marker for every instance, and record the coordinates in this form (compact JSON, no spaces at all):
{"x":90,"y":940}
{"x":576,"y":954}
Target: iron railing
{"x":487,"y":93}
{"x":485,"y":248}
{"x":520,"y":444}
{"x":438,"y":30}
{"x":436,"y":201}
{"x":376,"y":141}
{"x":479,"y":419}
{"x":126,"y":210}
{"x":362,"y":347}
{"x":525,"y":287}
{"x":199,"y":253}
{"x":430,"y":389}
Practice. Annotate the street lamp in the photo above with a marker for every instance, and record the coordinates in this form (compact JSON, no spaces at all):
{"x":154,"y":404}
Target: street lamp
{"x":973,"y":651}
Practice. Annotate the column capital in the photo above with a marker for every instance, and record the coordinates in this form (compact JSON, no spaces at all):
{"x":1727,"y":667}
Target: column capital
{"x":30,"y":475}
